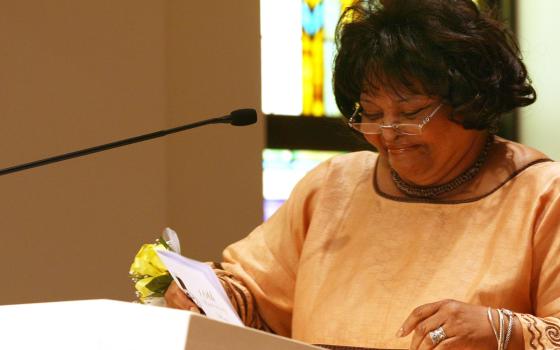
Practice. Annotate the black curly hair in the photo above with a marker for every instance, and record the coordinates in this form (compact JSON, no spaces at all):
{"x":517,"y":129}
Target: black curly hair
{"x":444,"y":48}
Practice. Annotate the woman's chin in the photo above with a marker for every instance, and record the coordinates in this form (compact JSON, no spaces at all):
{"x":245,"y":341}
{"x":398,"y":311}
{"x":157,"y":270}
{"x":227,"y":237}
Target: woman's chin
{"x":405,"y":156}
{"x":403,"y":163}
{"x":406,"y":170}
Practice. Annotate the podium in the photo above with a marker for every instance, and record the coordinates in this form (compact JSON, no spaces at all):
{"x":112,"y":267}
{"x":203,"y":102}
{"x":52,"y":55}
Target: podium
{"x":112,"y":325}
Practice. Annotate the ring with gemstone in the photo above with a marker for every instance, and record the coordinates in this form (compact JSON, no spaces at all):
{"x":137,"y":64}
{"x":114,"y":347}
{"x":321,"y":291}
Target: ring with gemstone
{"x":438,"y":335}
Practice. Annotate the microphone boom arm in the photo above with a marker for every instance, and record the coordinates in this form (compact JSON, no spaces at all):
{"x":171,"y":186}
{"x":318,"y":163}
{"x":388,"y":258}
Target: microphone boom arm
{"x":83,"y":152}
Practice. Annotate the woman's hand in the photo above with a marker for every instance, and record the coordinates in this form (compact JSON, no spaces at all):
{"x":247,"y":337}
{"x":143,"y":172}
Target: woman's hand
{"x":177,"y":299}
{"x":466,"y":326}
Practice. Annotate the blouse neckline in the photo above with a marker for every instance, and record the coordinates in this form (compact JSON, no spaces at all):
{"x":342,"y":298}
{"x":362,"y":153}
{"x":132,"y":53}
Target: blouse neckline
{"x":450,"y":201}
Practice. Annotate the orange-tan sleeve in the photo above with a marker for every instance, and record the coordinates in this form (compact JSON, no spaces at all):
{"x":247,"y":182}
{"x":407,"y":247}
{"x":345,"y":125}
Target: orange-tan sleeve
{"x":259,"y":272}
{"x":540,"y":333}
{"x":542,"y":330}
{"x":241,"y":298}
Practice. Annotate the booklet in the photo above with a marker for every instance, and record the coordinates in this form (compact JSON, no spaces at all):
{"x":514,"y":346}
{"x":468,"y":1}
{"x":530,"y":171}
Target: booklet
{"x":200,"y":283}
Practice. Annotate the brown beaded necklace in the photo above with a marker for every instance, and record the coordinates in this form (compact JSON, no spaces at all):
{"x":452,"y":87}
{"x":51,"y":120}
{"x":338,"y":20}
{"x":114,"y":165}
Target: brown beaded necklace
{"x":435,"y":191}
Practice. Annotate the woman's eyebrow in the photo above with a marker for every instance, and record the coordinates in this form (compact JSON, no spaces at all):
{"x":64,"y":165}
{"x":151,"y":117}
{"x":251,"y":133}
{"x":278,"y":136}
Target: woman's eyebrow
{"x":411,"y":98}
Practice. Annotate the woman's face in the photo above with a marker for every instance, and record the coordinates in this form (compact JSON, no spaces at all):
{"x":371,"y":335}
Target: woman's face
{"x":443,"y":150}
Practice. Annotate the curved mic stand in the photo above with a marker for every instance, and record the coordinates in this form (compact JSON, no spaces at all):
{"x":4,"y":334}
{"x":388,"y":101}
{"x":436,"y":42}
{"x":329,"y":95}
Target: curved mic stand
{"x":238,"y":117}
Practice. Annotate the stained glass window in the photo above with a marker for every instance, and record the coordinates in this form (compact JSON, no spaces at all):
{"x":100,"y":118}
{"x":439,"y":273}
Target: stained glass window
{"x":297,"y":43}
{"x":298,"y":46}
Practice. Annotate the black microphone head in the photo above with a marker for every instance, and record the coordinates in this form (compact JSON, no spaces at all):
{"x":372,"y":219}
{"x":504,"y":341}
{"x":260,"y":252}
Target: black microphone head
{"x":245,"y":116}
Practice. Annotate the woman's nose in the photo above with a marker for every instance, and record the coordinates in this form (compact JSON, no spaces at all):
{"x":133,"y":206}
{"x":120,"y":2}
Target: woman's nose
{"x":389,"y":134}
{"x":390,"y":118}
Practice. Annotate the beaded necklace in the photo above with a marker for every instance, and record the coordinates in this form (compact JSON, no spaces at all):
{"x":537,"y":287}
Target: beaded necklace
{"x":435,"y":191}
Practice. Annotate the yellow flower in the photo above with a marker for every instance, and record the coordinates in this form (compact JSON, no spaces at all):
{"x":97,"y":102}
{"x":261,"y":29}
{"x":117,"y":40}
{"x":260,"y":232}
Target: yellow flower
{"x":148,"y":273}
{"x":147,"y":263}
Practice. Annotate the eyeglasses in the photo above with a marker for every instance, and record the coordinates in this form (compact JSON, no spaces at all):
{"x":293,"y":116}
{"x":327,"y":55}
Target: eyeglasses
{"x":398,"y":128}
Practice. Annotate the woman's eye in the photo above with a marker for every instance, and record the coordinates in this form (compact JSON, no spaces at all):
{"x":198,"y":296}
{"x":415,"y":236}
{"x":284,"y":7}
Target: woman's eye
{"x":413,"y":114}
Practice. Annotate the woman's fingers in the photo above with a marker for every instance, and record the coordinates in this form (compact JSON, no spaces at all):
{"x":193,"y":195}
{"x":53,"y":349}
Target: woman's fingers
{"x":453,"y":324}
{"x":418,"y":315}
{"x":173,"y":297}
{"x":421,"y":338}
{"x":449,"y":344}
{"x":177,"y":299}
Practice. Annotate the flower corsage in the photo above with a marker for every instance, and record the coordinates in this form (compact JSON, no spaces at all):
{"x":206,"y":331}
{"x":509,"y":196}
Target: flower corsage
{"x":150,"y":277}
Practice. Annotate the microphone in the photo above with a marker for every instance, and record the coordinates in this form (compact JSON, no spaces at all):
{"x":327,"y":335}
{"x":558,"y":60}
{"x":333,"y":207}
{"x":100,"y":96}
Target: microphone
{"x":242,"y":117}
{"x":239,"y":117}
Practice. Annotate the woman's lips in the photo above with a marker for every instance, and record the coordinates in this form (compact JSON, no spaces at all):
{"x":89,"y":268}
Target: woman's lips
{"x":400,"y":149}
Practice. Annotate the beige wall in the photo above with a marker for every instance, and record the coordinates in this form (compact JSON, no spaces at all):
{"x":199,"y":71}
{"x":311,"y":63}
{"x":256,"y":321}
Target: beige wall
{"x":537,"y":30}
{"x":79,"y":73}
{"x":213,"y":67}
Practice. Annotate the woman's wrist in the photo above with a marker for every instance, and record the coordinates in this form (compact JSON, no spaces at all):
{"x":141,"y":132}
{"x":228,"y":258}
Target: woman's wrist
{"x":517,"y":342}
{"x":507,"y":329}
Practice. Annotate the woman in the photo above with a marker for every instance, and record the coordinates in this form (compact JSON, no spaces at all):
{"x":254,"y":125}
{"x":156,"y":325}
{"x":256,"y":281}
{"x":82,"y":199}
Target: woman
{"x":430,"y":242}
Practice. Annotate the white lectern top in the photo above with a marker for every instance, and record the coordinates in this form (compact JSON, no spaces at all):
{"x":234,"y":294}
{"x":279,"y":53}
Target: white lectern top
{"x":108,"y":325}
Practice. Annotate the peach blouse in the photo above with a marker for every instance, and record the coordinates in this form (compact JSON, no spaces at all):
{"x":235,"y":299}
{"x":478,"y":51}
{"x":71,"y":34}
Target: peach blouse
{"x":342,"y":264}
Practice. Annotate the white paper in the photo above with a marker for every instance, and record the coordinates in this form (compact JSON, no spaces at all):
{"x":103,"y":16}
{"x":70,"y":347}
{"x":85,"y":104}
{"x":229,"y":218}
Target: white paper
{"x":200,"y":283}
